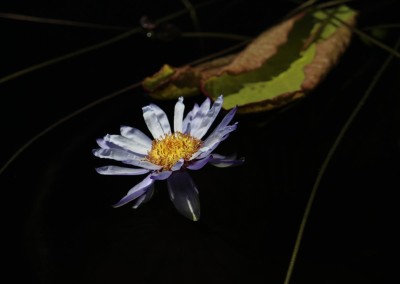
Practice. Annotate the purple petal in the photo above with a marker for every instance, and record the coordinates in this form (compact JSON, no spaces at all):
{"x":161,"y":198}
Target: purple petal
{"x":188,"y":128}
{"x":208,"y":119}
{"x":128,"y":144}
{"x":144,"y":198}
{"x":222,"y":157}
{"x":225,"y":121}
{"x":102,"y":143}
{"x":116,"y":154}
{"x":198,"y":164}
{"x":199,"y":116}
{"x":178,"y":165}
{"x":136,"y":191}
{"x":166,"y":174}
{"x":143,"y":164}
{"x":207,"y":151}
{"x":106,"y":144}
{"x":184,"y":195}
{"x":178,"y":115}
{"x":203,"y":152}
{"x":114,"y":170}
{"x":188,"y":119}
{"x":219,"y":135}
{"x":161,"y":175}
{"x":162,"y":118}
{"x":224,"y":163}
{"x":125,"y":157}
{"x":211,"y":144}
{"x":228,"y":118}
{"x":136,"y":135}
{"x":152,"y":122}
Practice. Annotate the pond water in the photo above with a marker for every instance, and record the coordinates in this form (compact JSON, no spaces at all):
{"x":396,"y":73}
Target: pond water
{"x":59,"y":223}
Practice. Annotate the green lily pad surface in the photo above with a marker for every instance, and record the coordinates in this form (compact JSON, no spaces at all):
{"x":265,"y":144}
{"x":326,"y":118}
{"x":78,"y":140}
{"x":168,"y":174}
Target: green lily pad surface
{"x":283,"y":73}
{"x":281,"y":65}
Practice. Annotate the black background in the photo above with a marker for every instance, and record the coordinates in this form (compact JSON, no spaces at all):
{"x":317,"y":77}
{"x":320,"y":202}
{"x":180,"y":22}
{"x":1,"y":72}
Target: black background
{"x":57,"y":222}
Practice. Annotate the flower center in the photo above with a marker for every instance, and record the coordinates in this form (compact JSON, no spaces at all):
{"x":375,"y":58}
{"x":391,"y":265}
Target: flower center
{"x":167,"y":151}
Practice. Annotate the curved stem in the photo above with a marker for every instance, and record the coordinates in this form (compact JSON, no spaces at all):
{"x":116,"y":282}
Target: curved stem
{"x":92,"y":47}
{"x":310,"y":5}
{"x":61,"y":121}
{"x":42,"y":20}
{"x":360,"y":33}
{"x":193,"y":14}
{"x":216,"y":35}
{"x":383,"y":26}
{"x":68,"y":56}
{"x":326,"y":162}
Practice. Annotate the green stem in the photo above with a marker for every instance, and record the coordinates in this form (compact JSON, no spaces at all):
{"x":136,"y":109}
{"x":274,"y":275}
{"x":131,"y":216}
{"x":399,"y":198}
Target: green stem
{"x":62,"y":120}
{"x":383,"y":26}
{"x":68,"y":56}
{"x":216,"y":35}
{"x":60,"y":22}
{"x":92,"y":47}
{"x":310,"y":5}
{"x":192,"y":13}
{"x":326,"y":162}
{"x":370,"y":38}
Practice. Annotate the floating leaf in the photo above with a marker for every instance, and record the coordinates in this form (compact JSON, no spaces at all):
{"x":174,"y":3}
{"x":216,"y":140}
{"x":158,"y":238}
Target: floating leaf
{"x":313,"y":46}
{"x":161,"y":77}
{"x":173,"y":82}
{"x":282,"y":64}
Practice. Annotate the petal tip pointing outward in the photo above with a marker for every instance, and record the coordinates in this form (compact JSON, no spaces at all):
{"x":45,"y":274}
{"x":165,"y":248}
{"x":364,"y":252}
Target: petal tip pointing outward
{"x":136,"y":191}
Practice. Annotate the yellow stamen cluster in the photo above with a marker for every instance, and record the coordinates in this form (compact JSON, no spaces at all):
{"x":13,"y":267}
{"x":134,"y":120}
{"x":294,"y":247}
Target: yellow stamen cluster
{"x":167,"y":151}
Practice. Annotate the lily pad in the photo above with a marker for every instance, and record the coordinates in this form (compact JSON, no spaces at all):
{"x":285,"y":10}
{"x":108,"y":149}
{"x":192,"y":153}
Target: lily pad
{"x":313,"y":46}
{"x":151,"y":83}
{"x":282,"y":64}
{"x":173,"y":82}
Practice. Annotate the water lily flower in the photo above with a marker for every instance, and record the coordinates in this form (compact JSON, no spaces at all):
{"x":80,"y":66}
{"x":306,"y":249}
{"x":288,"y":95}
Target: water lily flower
{"x":169,"y":155}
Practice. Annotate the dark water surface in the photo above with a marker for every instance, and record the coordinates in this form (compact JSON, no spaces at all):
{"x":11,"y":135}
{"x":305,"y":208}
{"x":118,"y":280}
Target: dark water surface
{"x":58,"y":223}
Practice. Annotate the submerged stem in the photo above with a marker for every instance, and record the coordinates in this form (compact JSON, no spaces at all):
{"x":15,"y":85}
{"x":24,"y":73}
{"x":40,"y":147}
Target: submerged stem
{"x":68,"y":56}
{"x":310,"y":5}
{"x":326,"y":162}
{"x":92,"y":47}
{"x":64,"y":119}
{"x":216,"y":35}
{"x":362,"y":34}
{"x":192,"y":13}
{"x":61,"y":22}
{"x":382,"y":26}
